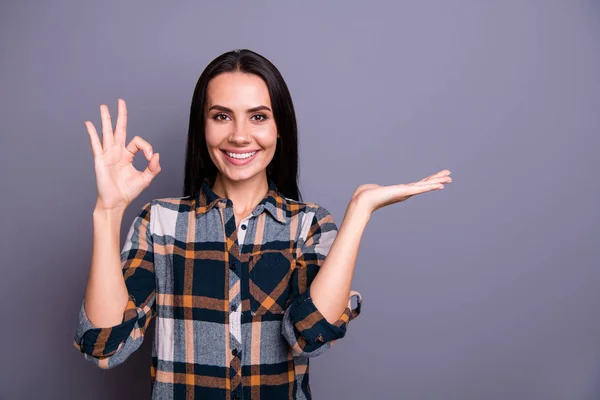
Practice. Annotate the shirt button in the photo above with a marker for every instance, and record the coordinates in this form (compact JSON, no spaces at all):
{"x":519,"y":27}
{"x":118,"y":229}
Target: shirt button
{"x":233,"y":307}
{"x":235,"y":396}
{"x":244,"y":227}
{"x":234,"y":352}
{"x":232,"y":264}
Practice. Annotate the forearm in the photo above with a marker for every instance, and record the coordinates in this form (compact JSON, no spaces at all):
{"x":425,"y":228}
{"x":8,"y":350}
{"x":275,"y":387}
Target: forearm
{"x":330,"y":289}
{"x":106,"y":294}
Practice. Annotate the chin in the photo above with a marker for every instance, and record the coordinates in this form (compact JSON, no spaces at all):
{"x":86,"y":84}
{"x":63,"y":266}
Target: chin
{"x":239,"y":176}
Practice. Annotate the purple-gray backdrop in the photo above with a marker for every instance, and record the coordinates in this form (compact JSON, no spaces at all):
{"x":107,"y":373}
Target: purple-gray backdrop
{"x":488,"y":289}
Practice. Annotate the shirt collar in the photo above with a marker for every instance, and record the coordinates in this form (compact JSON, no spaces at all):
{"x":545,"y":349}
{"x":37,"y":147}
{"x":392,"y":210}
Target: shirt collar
{"x":274,"y":202}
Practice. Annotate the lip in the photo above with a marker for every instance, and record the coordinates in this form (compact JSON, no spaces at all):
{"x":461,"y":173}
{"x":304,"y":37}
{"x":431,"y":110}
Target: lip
{"x":239,"y":151}
{"x":238,"y":162}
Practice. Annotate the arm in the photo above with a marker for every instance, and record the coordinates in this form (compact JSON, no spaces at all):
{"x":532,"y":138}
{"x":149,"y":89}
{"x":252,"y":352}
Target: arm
{"x":331,"y":287}
{"x":119,"y":300}
{"x":320,"y":308}
{"x":312,"y":322}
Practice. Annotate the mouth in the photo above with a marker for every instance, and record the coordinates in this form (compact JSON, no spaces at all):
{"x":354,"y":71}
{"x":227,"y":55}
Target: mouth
{"x":240,"y":158}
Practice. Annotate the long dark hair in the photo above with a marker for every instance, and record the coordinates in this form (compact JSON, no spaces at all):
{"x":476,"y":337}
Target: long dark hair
{"x":283,"y":169}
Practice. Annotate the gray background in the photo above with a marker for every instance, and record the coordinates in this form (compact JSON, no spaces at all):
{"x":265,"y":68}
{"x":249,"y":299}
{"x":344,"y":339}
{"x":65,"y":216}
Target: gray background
{"x":488,"y":289}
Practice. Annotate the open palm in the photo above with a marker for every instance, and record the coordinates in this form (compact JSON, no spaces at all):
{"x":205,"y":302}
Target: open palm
{"x":375,"y":196}
{"x":117,"y":180}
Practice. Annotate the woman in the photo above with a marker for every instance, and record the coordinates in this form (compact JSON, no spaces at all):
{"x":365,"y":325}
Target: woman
{"x":246,"y":281}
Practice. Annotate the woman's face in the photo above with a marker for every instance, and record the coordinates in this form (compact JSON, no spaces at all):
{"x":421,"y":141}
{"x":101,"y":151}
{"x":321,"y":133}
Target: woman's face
{"x":239,"y":120}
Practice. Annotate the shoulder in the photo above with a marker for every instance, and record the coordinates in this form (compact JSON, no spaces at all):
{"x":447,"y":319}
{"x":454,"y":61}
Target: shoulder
{"x":311,"y":217}
{"x":170,"y":204}
{"x":305,"y":209}
{"x":162,"y":213}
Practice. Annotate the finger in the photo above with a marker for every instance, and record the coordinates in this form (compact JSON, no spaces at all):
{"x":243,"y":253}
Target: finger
{"x":395,"y":193}
{"x":152,"y":169}
{"x":437,"y":175}
{"x":107,"y":133}
{"x":443,"y":172}
{"x":137,"y":143}
{"x":440,"y":179}
{"x":422,"y":188}
{"x":120,"y":130}
{"x":94,"y":139}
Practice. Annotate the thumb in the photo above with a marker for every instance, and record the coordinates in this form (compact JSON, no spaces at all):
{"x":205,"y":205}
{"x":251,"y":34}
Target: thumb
{"x":153,"y":168}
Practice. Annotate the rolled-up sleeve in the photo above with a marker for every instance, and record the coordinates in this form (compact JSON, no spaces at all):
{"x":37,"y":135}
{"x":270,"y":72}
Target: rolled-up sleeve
{"x":111,"y":346}
{"x":304,"y":327}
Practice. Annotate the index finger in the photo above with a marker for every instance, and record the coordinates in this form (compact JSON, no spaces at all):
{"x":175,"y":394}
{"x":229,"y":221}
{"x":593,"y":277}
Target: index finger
{"x":443,"y":172}
{"x":107,"y":133}
{"x":120,"y":130}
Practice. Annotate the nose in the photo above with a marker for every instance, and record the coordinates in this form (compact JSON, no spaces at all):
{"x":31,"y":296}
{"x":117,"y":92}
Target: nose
{"x":239,"y":136}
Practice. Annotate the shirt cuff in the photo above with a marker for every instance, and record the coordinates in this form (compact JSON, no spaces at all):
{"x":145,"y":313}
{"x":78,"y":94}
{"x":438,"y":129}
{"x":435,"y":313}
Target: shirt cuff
{"x":104,"y":342}
{"x":311,"y":328}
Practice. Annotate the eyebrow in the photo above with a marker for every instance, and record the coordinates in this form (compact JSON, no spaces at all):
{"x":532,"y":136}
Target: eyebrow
{"x":223,"y":108}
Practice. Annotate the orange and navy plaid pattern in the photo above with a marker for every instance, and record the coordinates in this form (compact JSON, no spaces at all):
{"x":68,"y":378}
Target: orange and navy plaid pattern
{"x":234,"y":318}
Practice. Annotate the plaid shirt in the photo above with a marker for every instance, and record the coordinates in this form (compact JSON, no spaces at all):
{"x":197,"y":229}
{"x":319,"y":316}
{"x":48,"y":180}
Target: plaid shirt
{"x":234,"y":316}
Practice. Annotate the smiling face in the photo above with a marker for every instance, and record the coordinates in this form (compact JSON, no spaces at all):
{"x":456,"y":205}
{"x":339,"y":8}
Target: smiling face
{"x":240,"y":129}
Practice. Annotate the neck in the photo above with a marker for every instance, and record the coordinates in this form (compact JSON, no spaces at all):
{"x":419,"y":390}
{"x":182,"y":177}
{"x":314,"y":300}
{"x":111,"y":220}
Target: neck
{"x":245,"y":195}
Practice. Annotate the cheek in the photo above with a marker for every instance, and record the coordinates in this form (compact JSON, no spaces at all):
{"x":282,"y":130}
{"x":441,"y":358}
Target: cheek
{"x":213,"y":138}
{"x":269,"y":147}
{"x":267,"y":139}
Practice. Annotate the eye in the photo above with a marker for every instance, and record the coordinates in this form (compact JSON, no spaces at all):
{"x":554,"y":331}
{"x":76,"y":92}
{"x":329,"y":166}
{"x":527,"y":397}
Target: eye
{"x":264,"y":117}
{"x":216,"y":116}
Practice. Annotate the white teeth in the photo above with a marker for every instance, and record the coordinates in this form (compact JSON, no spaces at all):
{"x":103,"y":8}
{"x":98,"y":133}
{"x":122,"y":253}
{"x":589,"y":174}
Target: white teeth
{"x":241,"y":155}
